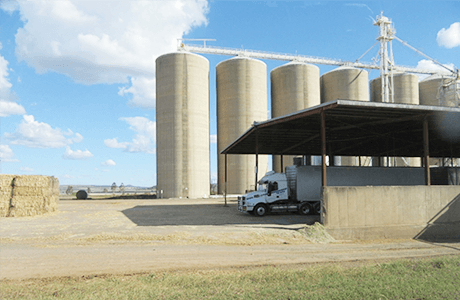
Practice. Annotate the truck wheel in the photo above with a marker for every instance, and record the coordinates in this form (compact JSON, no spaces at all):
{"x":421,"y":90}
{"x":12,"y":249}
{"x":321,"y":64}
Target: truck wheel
{"x":305,"y":209}
{"x":317,"y":208}
{"x":260,"y":210}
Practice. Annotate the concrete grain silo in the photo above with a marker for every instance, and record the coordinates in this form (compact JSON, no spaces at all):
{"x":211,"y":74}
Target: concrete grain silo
{"x":241,"y":100}
{"x":430,"y":90}
{"x":405,"y":86}
{"x":182,"y":116}
{"x":432,"y":93}
{"x":346,"y":83}
{"x":406,"y":91}
{"x":294,"y":86}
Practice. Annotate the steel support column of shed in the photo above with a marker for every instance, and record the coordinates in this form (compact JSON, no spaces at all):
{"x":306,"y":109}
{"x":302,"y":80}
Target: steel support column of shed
{"x":282,"y":163}
{"x":225,"y":188}
{"x":323,"y":149}
{"x":256,"y":170}
{"x":426,"y":151}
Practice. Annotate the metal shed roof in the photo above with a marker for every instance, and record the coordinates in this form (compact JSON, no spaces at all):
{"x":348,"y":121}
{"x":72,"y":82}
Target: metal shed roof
{"x":356,"y":128}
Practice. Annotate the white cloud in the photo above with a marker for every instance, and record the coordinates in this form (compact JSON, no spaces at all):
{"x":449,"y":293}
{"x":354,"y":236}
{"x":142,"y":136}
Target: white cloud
{"x":5,"y":84}
{"x":143,"y":91}
{"x":143,"y":141}
{"x":213,"y":138}
{"x":26,"y":169}
{"x":108,"y":162}
{"x":113,"y":143}
{"x":93,"y":44}
{"x":450,"y":37}
{"x":76,"y":155}
{"x":9,"y":5}
{"x":8,"y":108}
{"x":34,"y":134}
{"x":6,"y":154}
{"x":429,"y":65}
{"x":77,"y":138}
{"x":7,"y":104}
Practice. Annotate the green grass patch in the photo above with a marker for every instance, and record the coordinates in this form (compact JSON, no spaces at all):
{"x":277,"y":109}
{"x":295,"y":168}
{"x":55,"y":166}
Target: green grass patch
{"x":437,"y":278}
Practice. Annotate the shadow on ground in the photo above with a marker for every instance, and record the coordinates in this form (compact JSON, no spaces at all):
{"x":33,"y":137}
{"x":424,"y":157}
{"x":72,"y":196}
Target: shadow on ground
{"x":207,"y":214}
{"x":444,"y":227}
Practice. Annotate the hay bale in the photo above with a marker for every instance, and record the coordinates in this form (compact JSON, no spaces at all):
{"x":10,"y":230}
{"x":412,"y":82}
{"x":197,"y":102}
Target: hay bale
{"x":30,"y":191}
{"x":28,"y":195}
{"x":24,"y":206}
{"x":82,"y":195}
{"x":31,"y":181}
{"x":5,"y":193}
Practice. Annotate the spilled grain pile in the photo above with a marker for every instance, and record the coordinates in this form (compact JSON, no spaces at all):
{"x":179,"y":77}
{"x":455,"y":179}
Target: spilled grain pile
{"x":316,"y":233}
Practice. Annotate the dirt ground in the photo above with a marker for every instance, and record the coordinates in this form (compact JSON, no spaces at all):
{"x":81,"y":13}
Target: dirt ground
{"x":95,"y":237}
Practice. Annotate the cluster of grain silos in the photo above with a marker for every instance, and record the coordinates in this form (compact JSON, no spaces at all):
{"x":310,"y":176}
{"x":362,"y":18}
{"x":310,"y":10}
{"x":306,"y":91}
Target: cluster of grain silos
{"x":183,"y":143}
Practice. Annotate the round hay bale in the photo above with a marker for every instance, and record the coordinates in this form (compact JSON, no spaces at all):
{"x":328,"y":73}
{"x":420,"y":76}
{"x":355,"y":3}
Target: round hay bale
{"x":82,"y":195}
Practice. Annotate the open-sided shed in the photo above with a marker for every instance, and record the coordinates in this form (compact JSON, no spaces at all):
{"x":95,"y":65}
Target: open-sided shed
{"x":355,"y":128}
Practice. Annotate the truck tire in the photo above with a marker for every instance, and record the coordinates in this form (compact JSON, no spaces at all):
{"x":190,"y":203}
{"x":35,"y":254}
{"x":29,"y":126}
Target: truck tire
{"x":317,"y":208}
{"x":305,"y":209}
{"x":260,"y":210}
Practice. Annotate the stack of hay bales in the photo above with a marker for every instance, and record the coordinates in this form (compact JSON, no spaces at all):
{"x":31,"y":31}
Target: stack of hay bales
{"x":28,"y":195}
{"x":5,"y":194}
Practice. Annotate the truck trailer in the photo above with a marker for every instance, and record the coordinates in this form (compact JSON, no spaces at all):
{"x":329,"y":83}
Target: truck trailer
{"x":299,"y":189}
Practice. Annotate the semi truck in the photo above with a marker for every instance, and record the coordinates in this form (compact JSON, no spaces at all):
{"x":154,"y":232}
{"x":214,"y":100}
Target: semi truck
{"x":299,"y":188}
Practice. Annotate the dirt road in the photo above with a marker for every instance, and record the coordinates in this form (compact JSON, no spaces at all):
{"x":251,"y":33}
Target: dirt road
{"x":132,"y":236}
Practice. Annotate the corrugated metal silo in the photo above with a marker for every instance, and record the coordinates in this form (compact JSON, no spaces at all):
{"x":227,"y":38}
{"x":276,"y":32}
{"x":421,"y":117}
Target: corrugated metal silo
{"x":346,"y":83}
{"x":182,"y":116}
{"x":241,"y":100}
{"x":294,"y":86}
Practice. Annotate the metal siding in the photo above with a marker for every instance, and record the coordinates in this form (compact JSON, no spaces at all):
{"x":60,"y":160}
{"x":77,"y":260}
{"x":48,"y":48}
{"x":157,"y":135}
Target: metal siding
{"x":308,"y":178}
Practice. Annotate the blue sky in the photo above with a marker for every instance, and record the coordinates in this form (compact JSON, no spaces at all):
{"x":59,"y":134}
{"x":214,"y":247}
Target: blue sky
{"x":77,"y":78}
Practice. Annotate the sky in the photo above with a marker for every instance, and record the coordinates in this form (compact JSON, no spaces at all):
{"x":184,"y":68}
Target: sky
{"x":77,"y":78}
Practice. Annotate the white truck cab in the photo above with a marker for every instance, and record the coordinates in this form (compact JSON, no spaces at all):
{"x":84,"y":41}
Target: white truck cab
{"x":272,"y":195}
